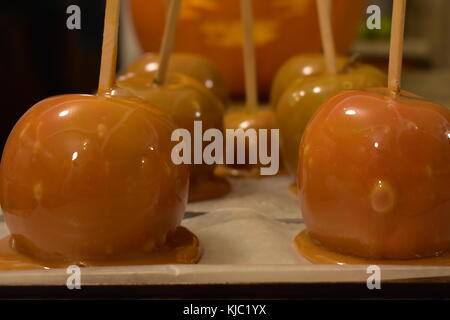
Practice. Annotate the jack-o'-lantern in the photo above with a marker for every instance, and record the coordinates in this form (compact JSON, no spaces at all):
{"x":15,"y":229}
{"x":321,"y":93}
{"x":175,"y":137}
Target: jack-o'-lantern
{"x":283,"y":28}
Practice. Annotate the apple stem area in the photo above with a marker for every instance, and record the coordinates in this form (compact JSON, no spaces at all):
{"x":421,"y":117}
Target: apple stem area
{"x":396,"y":49}
{"x":352,"y":61}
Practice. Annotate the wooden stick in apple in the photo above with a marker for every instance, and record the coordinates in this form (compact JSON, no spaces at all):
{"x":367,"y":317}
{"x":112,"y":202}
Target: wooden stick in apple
{"x":396,"y":50}
{"x":167,"y":41}
{"x":109,"y":49}
{"x":326,"y":33}
{"x":251,"y":89}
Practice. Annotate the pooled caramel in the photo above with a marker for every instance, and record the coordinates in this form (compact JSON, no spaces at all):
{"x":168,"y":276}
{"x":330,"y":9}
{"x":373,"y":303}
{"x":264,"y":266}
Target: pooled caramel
{"x":90,"y":178}
{"x":318,"y":254}
{"x":182,"y":247}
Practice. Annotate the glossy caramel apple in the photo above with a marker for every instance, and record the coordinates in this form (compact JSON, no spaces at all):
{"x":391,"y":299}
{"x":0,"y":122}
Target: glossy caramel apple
{"x":192,"y":65}
{"x":239,"y":118}
{"x":187,"y":101}
{"x":90,"y":178}
{"x":305,"y":95}
{"x":297,"y":67}
{"x":374,"y":176}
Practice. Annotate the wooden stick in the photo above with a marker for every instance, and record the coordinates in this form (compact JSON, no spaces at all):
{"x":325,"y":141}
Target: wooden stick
{"x":396,"y":50}
{"x":109,"y":49}
{"x":168,"y":40}
{"x":326,"y":33}
{"x":251,"y":88}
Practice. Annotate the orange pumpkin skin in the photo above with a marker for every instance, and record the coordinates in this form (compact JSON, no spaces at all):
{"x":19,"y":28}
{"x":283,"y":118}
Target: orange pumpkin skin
{"x":283,"y":28}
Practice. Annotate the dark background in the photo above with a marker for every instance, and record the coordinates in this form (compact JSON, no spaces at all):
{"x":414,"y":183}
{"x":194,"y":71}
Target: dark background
{"x":41,"y":57}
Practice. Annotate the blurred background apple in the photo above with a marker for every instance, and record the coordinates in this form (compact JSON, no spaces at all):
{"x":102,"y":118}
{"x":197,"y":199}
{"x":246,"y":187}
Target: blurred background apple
{"x":187,"y":101}
{"x":197,"y":67}
{"x":305,"y":65}
{"x":306,"y":94}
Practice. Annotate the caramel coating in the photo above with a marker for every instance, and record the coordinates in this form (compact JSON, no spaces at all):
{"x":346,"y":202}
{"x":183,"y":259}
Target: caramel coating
{"x":304,"y":97}
{"x":88,"y":177}
{"x":186,"y":101}
{"x":374,"y":175}
{"x":296,"y":67}
{"x":192,"y":65}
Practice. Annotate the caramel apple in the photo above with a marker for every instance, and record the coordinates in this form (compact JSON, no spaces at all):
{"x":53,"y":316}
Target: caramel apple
{"x":251,"y":118}
{"x":85,"y":179}
{"x":298,"y":67}
{"x":374,"y":175}
{"x":187,"y":101}
{"x":194,"y":66}
{"x":304,"y":97}
{"x":240,"y":118}
{"x":89,"y":180}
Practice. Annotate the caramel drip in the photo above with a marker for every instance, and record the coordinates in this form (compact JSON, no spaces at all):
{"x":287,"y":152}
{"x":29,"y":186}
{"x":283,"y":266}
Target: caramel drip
{"x":207,"y":187}
{"x":320,"y":255}
{"x":182,"y":248}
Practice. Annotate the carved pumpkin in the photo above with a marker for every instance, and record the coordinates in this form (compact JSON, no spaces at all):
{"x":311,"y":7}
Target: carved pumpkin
{"x":212,"y":28}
